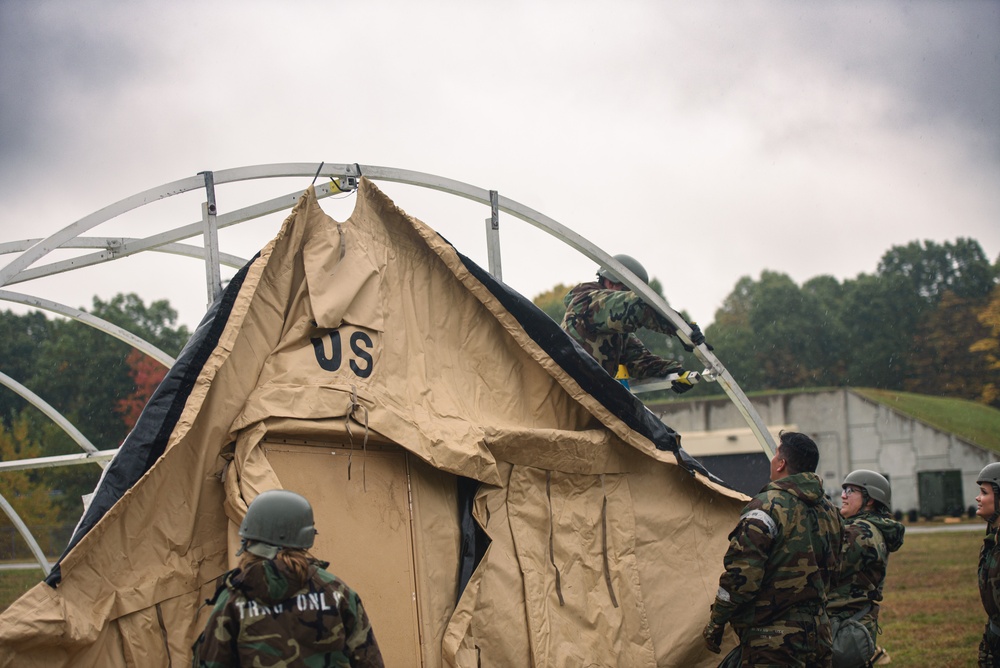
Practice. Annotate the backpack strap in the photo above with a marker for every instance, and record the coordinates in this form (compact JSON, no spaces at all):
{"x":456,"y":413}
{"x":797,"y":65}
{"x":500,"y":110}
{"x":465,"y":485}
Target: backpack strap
{"x":856,"y":617}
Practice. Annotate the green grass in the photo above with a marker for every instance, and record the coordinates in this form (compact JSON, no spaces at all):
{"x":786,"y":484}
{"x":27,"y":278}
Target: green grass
{"x":967,"y":419}
{"x":931,"y":616}
{"x":14,"y":583}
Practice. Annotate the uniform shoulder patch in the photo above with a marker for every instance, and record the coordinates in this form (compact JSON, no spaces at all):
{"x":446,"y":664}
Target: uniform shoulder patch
{"x":762,"y":517}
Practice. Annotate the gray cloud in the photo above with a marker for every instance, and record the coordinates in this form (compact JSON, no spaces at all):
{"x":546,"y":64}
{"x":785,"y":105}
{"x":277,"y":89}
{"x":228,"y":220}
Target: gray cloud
{"x":62,"y":65}
{"x":744,"y":132}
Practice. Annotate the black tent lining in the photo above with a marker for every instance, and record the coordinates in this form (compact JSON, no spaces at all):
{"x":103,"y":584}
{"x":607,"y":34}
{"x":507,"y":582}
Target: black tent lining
{"x":148,"y":439}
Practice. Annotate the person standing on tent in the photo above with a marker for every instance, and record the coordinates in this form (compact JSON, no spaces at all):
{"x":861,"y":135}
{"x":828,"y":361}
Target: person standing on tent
{"x":988,"y":507}
{"x":870,"y":534}
{"x":603,"y":316}
{"x":281,"y":603}
{"x":782,"y":558}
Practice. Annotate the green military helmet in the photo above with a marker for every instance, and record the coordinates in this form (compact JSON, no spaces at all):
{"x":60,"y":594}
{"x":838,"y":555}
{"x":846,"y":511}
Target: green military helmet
{"x":630,"y":263}
{"x":991,"y":474}
{"x":874,"y":484}
{"x":278,"y":518}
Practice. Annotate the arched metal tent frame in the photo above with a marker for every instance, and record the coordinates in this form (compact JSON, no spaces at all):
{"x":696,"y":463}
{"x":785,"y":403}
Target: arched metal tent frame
{"x":343,"y":178}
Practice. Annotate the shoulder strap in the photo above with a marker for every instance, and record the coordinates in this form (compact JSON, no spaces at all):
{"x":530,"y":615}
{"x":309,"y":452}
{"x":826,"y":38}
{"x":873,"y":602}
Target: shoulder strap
{"x":856,"y":617}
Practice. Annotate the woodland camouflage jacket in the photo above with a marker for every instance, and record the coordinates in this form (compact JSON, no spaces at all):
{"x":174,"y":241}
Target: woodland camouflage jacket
{"x":782,"y":557}
{"x":989,"y":576}
{"x":869,"y":538}
{"x":989,"y":592}
{"x":604,"y":323}
{"x":259,"y":619}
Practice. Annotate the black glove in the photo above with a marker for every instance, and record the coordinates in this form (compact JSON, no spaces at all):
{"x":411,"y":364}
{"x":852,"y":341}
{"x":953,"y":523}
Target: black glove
{"x":683,"y":383}
{"x":712,"y":635}
{"x":697,"y":338}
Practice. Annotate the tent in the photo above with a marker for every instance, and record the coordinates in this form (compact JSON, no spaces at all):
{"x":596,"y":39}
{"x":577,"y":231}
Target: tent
{"x":494,"y":497}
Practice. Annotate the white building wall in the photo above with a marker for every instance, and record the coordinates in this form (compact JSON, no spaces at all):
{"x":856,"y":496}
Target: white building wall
{"x":852,"y":433}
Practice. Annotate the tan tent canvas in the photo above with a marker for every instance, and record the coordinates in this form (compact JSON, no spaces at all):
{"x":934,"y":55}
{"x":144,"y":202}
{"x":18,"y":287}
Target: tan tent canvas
{"x":494,"y":497}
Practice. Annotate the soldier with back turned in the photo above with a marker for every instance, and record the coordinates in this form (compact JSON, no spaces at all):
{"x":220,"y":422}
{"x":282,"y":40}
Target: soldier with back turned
{"x":782,"y":557}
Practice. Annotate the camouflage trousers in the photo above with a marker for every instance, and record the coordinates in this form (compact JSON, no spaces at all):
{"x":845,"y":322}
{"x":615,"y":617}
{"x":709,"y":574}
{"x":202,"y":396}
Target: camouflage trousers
{"x":802,"y":642}
{"x":989,"y":649}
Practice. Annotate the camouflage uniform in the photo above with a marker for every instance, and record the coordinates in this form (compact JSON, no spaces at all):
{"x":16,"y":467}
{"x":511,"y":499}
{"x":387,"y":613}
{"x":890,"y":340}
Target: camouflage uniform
{"x":604,"y":322}
{"x":782,"y":557}
{"x":259,"y":620}
{"x":989,"y":592}
{"x":869,"y":537}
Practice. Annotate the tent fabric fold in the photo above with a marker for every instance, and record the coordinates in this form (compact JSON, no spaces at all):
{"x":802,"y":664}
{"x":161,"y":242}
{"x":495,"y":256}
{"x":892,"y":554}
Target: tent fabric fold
{"x":491,"y":493}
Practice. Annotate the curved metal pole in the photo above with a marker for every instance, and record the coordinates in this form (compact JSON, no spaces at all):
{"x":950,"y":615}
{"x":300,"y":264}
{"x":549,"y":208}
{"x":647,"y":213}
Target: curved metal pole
{"x":23,"y":530}
{"x":724,"y":378}
{"x":335,"y":170}
{"x":571,"y":238}
{"x":114,"y":249}
{"x":49,"y":411}
{"x":101,"y":457}
{"x":56,"y":240}
{"x":92,"y":320}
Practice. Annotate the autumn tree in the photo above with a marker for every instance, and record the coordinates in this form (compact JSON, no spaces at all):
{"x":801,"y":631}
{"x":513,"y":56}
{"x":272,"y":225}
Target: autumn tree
{"x":772,"y":334}
{"x":551,"y":301}
{"x":930,"y":269}
{"x":30,"y":500}
{"x":884,"y":313}
{"x":20,"y":338}
{"x":734,"y":338}
{"x":88,"y":377}
{"x":146,"y":373}
{"x":942,"y":361}
{"x":987,"y":349}
{"x":909,"y":326}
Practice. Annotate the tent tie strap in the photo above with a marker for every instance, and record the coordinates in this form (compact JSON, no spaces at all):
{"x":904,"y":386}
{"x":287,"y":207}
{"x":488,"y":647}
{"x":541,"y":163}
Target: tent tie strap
{"x":318,"y":170}
{"x":552,"y":554}
{"x":604,"y":543}
{"x":355,"y":406}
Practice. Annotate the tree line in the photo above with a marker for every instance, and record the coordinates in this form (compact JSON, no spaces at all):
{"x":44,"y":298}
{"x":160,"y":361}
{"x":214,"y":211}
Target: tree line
{"x":98,"y":383}
{"x":926,"y":321}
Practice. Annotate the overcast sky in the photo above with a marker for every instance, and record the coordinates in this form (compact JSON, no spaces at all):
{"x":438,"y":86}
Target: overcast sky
{"x":711,"y":140}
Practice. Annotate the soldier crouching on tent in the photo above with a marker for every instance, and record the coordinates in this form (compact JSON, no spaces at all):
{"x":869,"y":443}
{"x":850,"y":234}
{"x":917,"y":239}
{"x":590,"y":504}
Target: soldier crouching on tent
{"x":281,"y":603}
{"x":782,"y":558}
{"x":603,"y":316}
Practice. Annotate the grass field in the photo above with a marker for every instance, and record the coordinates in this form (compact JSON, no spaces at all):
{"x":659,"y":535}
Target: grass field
{"x":15,"y":583}
{"x":931,"y":616}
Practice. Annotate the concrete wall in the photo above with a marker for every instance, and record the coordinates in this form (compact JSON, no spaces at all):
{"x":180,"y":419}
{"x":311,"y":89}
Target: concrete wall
{"x":852,"y":433}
